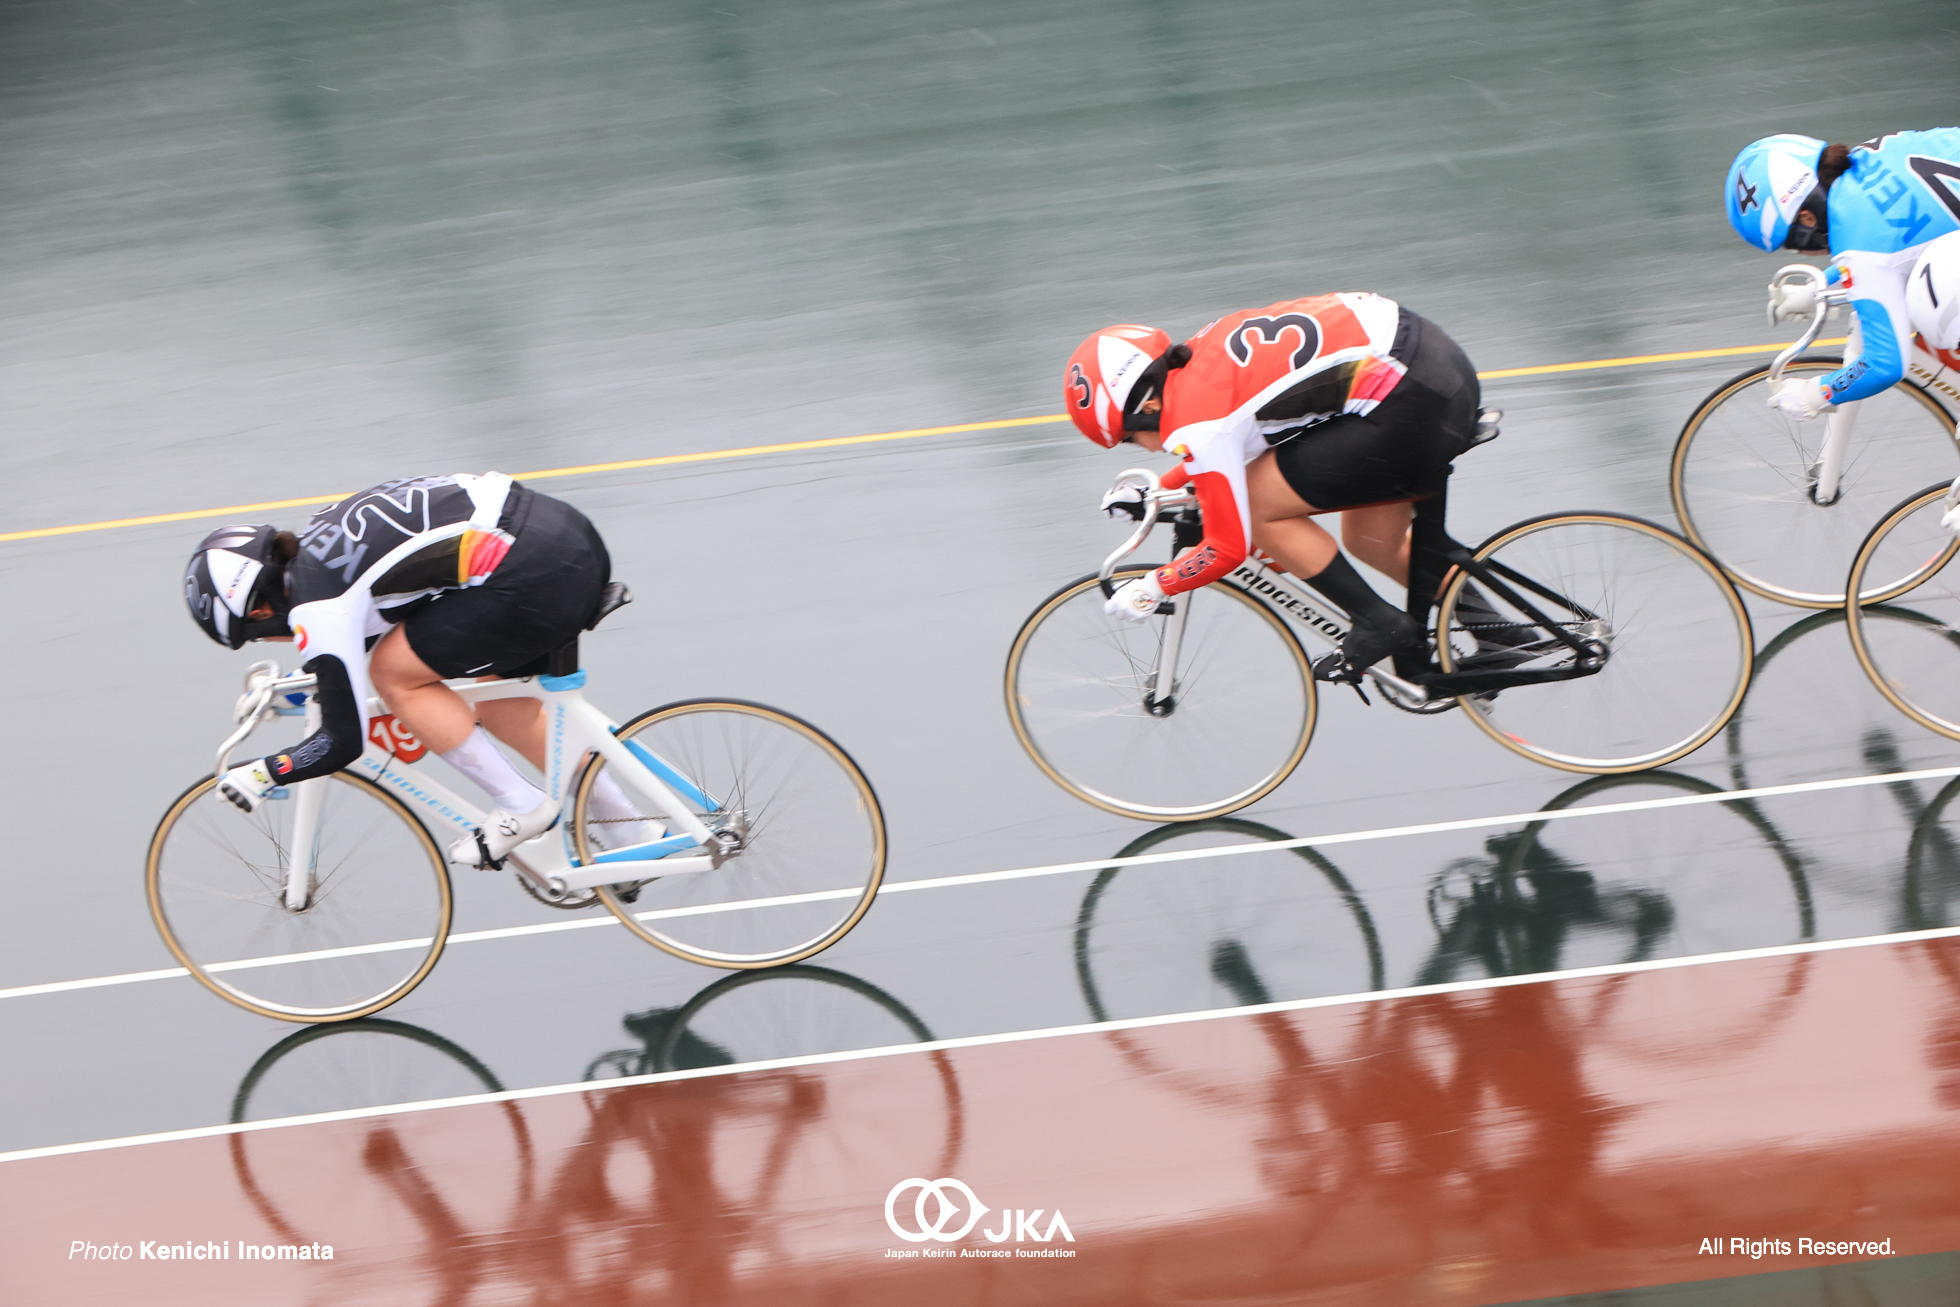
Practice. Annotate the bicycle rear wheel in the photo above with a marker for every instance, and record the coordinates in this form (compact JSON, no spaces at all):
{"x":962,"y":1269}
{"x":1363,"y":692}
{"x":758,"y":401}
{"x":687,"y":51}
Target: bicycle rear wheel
{"x":1914,"y":658}
{"x":1240,"y":717}
{"x":807,"y":837}
{"x":374,"y":926}
{"x":1676,"y":638}
{"x":1742,"y":476}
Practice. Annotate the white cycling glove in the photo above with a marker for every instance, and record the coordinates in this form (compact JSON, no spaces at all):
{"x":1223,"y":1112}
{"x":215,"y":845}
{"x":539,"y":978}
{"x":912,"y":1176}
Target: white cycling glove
{"x":1124,"y":501}
{"x":1800,"y":398}
{"x":248,"y":785}
{"x":1137,"y":599}
{"x":1791,"y":299}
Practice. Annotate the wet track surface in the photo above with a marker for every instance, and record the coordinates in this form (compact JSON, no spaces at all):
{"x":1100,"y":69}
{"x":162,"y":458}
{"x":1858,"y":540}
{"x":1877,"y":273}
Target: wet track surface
{"x":262,"y":254}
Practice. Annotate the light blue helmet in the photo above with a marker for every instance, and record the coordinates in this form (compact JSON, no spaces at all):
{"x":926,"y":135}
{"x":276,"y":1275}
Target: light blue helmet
{"x":1768,"y":182}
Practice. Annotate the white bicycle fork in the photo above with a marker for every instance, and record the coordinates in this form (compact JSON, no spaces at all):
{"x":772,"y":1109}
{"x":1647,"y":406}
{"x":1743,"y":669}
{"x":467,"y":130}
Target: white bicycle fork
{"x":309,"y":798}
{"x":303,"y":853}
{"x":1828,"y":473}
{"x":1163,"y":678}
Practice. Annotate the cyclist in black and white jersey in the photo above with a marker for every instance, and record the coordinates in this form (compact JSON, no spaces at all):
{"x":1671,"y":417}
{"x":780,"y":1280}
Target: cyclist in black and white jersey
{"x":394,"y":590}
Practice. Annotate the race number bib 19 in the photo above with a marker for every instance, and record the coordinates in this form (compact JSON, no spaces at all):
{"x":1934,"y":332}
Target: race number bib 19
{"x":395,"y":738}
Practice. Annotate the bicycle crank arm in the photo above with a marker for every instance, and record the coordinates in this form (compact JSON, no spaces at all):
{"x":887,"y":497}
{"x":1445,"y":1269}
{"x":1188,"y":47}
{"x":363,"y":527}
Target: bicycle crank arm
{"x":1388,"y":682}
{"x":611,"y":873}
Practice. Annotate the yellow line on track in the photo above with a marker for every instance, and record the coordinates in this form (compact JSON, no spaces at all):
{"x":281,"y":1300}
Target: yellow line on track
{"x":834,"y":442}
{"x":1645,"y":358}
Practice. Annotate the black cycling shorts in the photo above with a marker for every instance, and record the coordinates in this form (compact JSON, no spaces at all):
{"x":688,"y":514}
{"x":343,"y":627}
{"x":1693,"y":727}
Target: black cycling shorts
{"x":537,"y":601}
{"x":1401,"y":450}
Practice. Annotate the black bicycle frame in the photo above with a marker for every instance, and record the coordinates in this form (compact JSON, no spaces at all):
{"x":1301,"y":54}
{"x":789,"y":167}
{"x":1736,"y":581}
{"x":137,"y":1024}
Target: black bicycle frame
{"x":1590,"y":656}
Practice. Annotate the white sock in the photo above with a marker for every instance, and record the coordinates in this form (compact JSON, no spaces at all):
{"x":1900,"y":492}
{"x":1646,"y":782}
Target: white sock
{"x":609,"y":803}
{"x":479,"y":759}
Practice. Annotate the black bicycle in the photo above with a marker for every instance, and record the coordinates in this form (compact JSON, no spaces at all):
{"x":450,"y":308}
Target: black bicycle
{"x":1605,"y":644}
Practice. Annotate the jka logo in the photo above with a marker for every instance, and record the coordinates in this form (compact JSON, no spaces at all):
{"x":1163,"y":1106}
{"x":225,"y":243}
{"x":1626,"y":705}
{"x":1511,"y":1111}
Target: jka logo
{"x":956,"y":1209}
{"x":390,"y":736}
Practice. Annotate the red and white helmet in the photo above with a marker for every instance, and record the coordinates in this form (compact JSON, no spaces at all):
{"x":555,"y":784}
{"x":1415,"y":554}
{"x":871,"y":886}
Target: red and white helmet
{"x":1101,"y":374}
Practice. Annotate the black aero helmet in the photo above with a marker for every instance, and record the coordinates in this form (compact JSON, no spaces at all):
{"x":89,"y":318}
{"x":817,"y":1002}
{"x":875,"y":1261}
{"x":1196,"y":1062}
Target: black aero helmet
{"x":234,"y":569}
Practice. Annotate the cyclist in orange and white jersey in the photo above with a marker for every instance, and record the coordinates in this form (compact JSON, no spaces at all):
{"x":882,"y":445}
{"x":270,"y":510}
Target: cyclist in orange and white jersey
{"x":1344,"y":403}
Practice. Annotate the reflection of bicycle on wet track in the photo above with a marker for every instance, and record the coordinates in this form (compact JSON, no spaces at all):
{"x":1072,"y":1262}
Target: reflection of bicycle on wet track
{"x":757,"y":842}
{"x":675,"y":1185}
{"x":1387,"y":1111}
{"x":461,"y":1189}
{"x":1153,"y":939}
{"x":1807,"y":674}
{"x":1535,"y":901}
{"x":1424,"y":1112}
{"x":758,"y":1016}
{"x":1538,"y":903}
{"x":1930,"y":888}
{"x":1620,"y":647}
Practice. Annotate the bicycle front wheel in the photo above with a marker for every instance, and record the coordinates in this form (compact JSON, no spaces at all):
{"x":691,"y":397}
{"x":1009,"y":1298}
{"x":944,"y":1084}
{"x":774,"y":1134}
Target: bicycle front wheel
{"x":1743,"y":478}
{"x":806,"y":837}
{"x":375,"y":921}
{"x":1676,"y":641}
{"x":1236,"y":723}
{"x":1914,"y":657}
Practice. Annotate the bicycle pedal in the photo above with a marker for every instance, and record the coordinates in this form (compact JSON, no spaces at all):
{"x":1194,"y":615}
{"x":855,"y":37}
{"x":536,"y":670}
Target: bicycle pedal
{"x":484,"y":861}
{"x":1332,"y":667}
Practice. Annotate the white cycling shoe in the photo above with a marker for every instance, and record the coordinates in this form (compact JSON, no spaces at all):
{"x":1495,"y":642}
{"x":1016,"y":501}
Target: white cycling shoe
{"x":500,"y":833}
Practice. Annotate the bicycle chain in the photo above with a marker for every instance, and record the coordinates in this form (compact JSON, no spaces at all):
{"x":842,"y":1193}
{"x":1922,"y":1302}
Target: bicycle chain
{"x":1471,"y":631}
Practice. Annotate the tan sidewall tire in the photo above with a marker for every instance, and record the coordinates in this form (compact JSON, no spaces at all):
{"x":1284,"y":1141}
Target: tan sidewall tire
{"x":624,"y":911}
{"x":1238,"y":802}
{"x":1854,"y":615}
{"x":1446,"y":610}
{"x":1677,"y":473}
{"x":154,"y":892}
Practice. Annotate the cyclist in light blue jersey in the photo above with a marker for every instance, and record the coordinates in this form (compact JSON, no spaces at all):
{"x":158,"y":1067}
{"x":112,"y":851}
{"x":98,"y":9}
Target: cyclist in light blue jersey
{"x":1875,"y":208}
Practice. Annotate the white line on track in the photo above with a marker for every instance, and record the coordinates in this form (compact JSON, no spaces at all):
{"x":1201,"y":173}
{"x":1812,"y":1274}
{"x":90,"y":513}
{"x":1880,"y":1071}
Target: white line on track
{"x":1024,"y":873}
{"x":982,"y":1041}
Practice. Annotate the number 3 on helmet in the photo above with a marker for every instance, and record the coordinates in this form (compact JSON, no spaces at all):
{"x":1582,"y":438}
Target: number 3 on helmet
{"x":1102,"y":374}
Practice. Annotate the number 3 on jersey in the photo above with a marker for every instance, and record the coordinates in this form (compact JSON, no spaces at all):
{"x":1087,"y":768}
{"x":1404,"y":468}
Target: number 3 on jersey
{"x":395,"y":738}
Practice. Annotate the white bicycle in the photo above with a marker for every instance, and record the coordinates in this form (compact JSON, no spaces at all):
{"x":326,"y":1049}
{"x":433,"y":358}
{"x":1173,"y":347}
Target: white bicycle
{"x":1783,"y":505}
{"x":757,"y":842}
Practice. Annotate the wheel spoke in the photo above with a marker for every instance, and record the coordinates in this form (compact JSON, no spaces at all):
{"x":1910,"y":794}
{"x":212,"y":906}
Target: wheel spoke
{"x":1742,"y":484}
{"x":217,"y":879}
{"x":1242,"y":711}
{"x":1908,"y":646}
{"x":806,"y":822}
{"x":1679,"y":648}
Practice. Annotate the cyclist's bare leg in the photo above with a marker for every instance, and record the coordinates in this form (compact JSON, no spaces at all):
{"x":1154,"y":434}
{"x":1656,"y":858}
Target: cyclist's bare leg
{"x":1282,"y":522}
{"x":1378,"y":534}
{"x":518,"y":723}
{"x":440,"y":718}
{"x":1283,"y":526}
